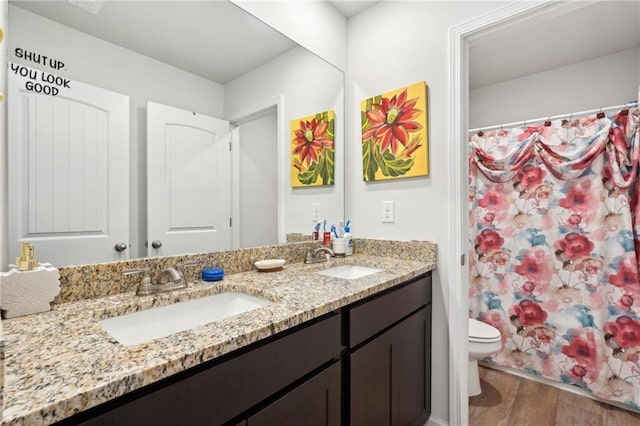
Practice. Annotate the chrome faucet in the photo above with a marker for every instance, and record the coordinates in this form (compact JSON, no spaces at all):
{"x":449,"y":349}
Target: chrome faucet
{"x":318,"y":255}
{"x":168,"y":279}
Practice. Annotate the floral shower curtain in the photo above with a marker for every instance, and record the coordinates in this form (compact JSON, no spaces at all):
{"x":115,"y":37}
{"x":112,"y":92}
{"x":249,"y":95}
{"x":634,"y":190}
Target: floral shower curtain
{"x":555,"y":243}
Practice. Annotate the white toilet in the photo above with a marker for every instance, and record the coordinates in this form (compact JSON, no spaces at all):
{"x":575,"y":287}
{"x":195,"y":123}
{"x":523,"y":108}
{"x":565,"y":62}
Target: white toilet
{"x":484,"y":340}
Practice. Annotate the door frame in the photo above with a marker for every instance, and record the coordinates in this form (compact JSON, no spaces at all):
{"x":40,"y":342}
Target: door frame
{"x":242,"y":116}
{"x":461,"y":37}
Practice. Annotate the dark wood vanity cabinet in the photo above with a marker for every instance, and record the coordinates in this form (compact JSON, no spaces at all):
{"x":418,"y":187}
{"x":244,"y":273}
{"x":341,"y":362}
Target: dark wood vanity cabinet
{"x":232,"y":389}
{"x":389,"y":359}
{"x":366,"y":364}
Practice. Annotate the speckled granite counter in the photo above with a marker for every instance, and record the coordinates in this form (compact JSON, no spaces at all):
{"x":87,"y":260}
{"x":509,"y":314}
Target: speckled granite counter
{"x":61,"y":362}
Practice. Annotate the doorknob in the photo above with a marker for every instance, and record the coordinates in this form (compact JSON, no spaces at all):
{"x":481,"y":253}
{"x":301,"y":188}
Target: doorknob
{"x":120,"y":246}
{"x":156,"y":244}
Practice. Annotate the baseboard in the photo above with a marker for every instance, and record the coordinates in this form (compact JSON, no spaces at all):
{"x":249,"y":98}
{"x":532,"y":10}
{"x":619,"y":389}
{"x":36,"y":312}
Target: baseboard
{"x":436,"y":421}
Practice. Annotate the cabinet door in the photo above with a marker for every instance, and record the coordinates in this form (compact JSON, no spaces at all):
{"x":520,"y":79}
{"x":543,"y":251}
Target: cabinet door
{"x":314,"y":403}
{"x":408,"y":369}
{"x":68,"y":171}
{"x":390,"y":375}
{"x":370,"y":386}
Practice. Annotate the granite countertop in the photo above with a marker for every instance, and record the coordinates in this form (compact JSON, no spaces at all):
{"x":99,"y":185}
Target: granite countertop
{"x":61,"y":362}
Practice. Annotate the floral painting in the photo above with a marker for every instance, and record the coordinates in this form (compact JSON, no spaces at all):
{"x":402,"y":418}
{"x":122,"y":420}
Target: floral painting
{"x":554,"y":242}
{"x":313,"y":150}
{"x":394,"y":134}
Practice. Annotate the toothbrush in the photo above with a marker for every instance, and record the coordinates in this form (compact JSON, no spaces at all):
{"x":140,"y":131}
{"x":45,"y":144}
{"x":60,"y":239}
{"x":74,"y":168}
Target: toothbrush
{"x":333,"y":229}
{"x":340,"y":233}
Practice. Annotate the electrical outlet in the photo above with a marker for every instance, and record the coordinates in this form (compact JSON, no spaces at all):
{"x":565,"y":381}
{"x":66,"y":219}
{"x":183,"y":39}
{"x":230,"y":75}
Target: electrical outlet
{"x":315,"y":212}
{"x":387,"y":212}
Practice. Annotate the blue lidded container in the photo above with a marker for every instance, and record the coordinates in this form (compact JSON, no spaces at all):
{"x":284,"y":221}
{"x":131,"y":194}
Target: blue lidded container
{"x":212,"y":274}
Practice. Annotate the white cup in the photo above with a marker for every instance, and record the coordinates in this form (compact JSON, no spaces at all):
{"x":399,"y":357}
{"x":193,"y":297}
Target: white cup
{"x":339,"y":246}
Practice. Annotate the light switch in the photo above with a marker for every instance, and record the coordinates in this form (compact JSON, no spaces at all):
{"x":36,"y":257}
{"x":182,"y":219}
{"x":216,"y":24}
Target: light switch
{"x":315,"y":212}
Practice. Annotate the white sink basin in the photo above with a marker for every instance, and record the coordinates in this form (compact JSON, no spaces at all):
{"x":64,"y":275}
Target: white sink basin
{"x":349,"y":272}
{"x":140,"y":327}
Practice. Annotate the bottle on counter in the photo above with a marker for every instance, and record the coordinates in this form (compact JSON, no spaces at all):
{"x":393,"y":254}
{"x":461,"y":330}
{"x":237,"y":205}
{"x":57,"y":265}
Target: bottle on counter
{"x":348,"y":239}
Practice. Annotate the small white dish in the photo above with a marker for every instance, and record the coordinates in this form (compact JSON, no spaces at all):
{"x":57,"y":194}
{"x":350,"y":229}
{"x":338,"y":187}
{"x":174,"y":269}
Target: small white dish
{"x":270,"y":264}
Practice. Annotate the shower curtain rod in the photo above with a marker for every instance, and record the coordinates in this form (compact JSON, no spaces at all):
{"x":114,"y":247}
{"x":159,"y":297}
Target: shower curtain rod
{"x":555,"y":117}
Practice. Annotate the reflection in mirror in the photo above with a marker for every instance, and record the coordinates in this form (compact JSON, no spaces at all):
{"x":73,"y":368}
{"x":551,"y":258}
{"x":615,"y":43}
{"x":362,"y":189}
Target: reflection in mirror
{"x":211,"y":59}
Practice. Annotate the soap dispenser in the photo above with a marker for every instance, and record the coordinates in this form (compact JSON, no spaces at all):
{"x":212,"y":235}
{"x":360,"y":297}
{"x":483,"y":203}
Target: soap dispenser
{"x":348,"y":241}
{"x":26,"y":261}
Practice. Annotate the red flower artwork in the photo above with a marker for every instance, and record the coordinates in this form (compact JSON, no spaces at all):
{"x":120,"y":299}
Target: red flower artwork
{"x":574,"y":246}
{"x":394,"y":134}
{"x":626,"y":278}
{"x":488,"y":241}
{"x":530,"y":177}
{"x":624,"y":331}
{"x":310,"y":139}
{"x":392,"y":121}
{"x":528,"y":313}
{"x":535,"y":266}
{"x":494,"y":202}
{"x":582,"y":349}
{"x":579,"y":199}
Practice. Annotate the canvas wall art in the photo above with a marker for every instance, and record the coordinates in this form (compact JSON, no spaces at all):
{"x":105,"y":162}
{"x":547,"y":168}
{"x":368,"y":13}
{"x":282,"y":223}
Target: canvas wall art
{"x":313,"y":150}
{"x":395,"y":134}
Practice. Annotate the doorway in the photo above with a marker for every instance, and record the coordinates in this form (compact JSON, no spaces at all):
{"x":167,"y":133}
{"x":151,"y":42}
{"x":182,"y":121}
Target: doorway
{"x":257,"y":180}
{"x":461,"y":37}
{"x":259,"y":154}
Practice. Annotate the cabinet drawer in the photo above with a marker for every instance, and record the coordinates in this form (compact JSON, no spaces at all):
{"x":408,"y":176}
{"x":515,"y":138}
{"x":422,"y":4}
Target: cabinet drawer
{"x":375,"y":315}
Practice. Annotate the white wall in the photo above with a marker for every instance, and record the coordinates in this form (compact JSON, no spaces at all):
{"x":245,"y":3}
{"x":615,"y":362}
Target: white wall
{"x":313,"y":24}
{"x":258,"y":181}
{"x":391,"y":45}
{"x":102,"y":64}
{"x":309,"y":85}
{"x":4,"y":228}
{"x":601,"y":82}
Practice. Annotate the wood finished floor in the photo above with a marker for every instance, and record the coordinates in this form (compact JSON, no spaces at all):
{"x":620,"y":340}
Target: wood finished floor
{"x":507,"y":399}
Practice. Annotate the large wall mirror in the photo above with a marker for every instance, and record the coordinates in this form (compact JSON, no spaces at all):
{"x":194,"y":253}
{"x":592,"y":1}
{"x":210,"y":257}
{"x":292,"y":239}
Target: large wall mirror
{"x":205,"y":71}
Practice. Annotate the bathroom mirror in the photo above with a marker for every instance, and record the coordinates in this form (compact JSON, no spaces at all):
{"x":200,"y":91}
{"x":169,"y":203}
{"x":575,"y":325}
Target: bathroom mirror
{"x":205,"y":57}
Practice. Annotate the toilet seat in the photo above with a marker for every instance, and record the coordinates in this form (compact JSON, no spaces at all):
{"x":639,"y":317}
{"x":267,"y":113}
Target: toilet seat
{"x":480,"y":332}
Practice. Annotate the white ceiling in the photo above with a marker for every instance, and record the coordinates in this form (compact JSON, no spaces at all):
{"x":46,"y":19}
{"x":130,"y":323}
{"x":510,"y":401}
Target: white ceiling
{"x":592,"y":31}
{"x":213,"y":39}
{"x":220,"y":42}
{"x":349,"y":8}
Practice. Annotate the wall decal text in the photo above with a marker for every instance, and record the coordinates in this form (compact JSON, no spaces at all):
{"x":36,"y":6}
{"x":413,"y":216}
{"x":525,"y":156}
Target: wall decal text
{"x":41,"y":81}
{"x":38,"y":59}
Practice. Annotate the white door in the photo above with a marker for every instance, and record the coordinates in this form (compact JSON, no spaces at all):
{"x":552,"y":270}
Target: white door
{"x":68,"y":169}
{"x":188,"y":182}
